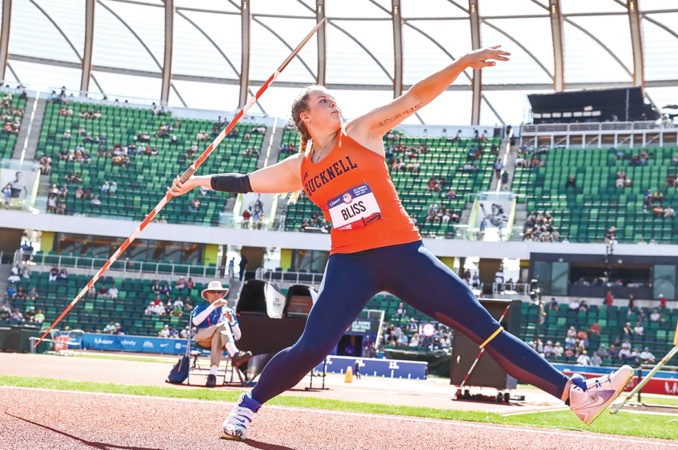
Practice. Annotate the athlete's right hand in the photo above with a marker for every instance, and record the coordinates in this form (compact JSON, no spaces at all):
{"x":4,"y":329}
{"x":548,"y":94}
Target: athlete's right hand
{"x":178,"y":188}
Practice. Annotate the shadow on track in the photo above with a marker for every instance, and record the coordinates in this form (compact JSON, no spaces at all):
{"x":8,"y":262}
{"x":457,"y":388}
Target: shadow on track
{"x":99,"y":445}
{"x":265,"y":446}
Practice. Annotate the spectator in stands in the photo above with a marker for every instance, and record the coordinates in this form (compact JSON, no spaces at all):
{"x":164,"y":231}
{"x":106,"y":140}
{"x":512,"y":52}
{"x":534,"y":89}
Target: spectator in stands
{"x":51,"y":201}
{"x":658,"y":197}
{"x":498,"y":166}
{"x":583,"y":359}
{"x":653,"y":242}
{"x":571,"y":182}
{"x":177,"y":310}
{"x":583,"y":338}
{"x":53,"y":274}
{"x":61,"y":208}
{"x":632,"y":304}
{"x":32,"y":294}
{"x":110,"y":328}
{"x":165,"y":332}
{"x":558,"y":350}
{"x":670,"y":181}
{"x":625,"y":354}
{"x":646,"y":356}
{"x":11,"y":290}
{"x":103,"y":292}
{"x":174,"y":333}
{"x":166,"y":289}
{"x":113,"y":190}
{"x":642,"y":241}
{"x":184,"y":332}
{"x":594,"y":329}
{"x":547,"y":349}
{"x":39,"y":317}
{"x":602,"y":352}
{"x":169,"y":307}
{"x":16,"y":317}
{"x":627,"y":331}
{"x":194,"y":205}
{"x":669,"y":212}
{"x":638,"y":330}
{"x":113,"y":291}
{"x":596,"y":360}
{"x":95,"y":201}
{"x":583,"y":307}
{"x":655,"y":316}
{"x":613,"y":353}
{"x":553,"y":305}
{"x":14,"y":276}
{"x":414,"y":342}
{"x":63,"y":275}
{"x":574,"y":305}
{"x":401,"y":310}
{"x":20,"y":294}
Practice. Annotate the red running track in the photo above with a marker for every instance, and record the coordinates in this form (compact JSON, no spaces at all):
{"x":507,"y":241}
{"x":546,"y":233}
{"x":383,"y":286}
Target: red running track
{"x":44,"y":419}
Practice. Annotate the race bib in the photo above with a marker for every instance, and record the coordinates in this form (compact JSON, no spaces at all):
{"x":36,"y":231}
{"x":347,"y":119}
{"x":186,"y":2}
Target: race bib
{"x":355,"y":208}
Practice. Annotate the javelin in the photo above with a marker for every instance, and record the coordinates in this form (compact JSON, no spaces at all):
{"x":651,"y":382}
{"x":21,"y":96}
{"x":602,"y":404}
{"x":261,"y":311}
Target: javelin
{"x":186,"y":175}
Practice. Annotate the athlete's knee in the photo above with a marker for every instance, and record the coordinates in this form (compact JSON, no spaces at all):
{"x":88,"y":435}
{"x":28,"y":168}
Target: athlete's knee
{"x":313,"y":350}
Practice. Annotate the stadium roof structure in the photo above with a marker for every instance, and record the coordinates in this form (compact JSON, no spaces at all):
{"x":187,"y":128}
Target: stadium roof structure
{"x":193,"y":53}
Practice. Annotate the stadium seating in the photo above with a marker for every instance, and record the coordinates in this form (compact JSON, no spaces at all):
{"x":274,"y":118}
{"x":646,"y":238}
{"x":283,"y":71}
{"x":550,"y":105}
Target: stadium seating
{"x":143,"y":183}
{"x":658,"y":336}
{"x":586,"y":212}
{"x":7,"y":139}
{"x":95,"y":313}
{"x":446,"y":158}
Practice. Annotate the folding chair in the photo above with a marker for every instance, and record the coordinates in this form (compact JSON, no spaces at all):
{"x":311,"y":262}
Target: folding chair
{"x":226,"y":369}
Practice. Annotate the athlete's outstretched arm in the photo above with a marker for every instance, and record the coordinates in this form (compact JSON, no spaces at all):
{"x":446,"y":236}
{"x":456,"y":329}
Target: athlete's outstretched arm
{"x":379,"y":121}
{"x":278,"y":178}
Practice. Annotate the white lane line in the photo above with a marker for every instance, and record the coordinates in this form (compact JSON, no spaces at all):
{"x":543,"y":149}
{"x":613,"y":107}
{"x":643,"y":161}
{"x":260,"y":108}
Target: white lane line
{"x":452,"y":422}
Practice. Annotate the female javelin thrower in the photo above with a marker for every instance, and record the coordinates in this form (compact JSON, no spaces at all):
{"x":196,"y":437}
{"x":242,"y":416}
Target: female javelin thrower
{"x":376,"y":247}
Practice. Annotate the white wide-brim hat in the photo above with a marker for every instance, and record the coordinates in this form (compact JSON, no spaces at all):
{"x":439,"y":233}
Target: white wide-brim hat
{"x":215,"y":286}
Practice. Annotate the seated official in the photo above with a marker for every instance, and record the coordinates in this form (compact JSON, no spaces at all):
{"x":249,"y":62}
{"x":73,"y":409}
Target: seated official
{"x":217,"y":328}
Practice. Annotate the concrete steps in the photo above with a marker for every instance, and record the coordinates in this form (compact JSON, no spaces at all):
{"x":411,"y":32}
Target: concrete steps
{"x":35,"y":113}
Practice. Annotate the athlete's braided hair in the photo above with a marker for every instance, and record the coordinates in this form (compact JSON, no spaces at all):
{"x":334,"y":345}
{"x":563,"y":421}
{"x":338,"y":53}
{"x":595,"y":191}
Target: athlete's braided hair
{"x":300,"y":105}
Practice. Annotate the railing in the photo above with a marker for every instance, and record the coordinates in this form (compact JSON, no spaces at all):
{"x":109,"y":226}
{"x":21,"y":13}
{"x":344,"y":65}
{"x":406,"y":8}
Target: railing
{"x":601,"y":127}
{"x":288,"y":276}
{"x":510,"y":288}
{"x":44,"y":262}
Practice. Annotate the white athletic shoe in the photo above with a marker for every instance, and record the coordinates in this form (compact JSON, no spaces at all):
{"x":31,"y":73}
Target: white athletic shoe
{"x":235,"y":425}
{"x":589,"y":398}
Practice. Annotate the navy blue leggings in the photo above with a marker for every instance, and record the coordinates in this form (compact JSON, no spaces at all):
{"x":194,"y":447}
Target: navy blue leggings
{"x":413,"y":274}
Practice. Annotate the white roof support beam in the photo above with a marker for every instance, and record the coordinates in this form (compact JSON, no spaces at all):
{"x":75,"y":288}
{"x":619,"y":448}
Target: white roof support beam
{"x":396,"y":15}
{"x":89,"y":44}
{"x":557,"y":35}
{"x":4,"y":36}
{"x":636,"y":43}
{"x":476,"y":82}
{"x":167,"y":62}
{"x":321,"y":77}
{"x":246,"y":23}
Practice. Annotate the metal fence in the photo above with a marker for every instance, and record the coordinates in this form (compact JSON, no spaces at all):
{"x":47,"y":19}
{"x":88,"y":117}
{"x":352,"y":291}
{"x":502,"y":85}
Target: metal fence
{"x":45,"y":262}
{"x":288,"y":277}
{"x":511,"y":288}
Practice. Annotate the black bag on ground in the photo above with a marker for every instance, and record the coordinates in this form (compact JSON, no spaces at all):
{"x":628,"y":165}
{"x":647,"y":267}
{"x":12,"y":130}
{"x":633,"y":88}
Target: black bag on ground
{"x":179,"y":372}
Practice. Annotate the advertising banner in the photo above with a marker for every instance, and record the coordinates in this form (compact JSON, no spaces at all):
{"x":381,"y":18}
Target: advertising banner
{"x":387,"y":368}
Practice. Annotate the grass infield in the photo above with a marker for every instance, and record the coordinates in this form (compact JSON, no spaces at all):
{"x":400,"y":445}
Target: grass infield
{"x":648,"y":426}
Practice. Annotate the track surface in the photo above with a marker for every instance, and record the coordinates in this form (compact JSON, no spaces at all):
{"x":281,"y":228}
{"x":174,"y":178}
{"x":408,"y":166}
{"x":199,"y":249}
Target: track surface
{"x":43,"y":419}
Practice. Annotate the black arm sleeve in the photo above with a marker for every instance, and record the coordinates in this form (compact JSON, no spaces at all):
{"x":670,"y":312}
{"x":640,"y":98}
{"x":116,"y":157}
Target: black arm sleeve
{"x":231,"y":182}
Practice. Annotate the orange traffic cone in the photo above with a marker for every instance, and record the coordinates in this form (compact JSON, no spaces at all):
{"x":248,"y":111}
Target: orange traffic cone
{"x":349,"y":375}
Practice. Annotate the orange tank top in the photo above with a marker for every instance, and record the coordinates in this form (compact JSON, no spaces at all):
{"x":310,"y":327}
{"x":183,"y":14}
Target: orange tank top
{"x":353,"y":188}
